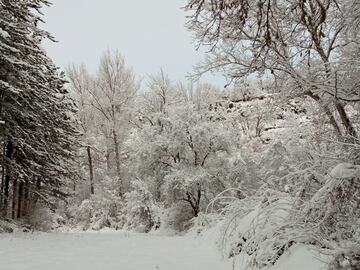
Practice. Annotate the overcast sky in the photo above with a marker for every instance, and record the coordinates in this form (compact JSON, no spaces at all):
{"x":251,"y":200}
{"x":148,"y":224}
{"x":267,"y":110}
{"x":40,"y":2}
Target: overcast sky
{"x":150,"y":34}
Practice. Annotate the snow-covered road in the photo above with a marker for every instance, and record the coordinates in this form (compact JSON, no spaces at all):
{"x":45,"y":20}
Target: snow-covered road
{"x":107,"y":251}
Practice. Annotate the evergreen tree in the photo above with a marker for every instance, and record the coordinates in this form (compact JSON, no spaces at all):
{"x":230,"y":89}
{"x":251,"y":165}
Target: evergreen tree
{"x":38,"y":133}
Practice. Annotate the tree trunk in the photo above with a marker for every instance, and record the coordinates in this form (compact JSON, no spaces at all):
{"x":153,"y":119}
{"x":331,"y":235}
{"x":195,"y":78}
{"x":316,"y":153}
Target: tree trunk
{"x":91,"y":173}
{"x":117,"y":161}
{"x":2,"y":177}
{"x":6,"y":194}
{"x":197,"y":203}
{"x":339,"y":106}
{"x":14,"y":198}
{"x":9,"y":153}
{"x":35,"y":195}
{"x":159,"y":183}
{"x":20,"y":199}
{"x":26,"y":198}
{"x":194,"y":202}
{"x":350,"y":130}
{"x":327,"y":112}
{"x":107,"y":157}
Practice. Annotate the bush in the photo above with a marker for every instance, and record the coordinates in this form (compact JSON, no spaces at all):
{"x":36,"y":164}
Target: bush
{"x":6,"y":226}
{"x":43,"y":219}
{"x":98,"y":213}
{"x":346,"y":259}
{"x":202,"y":223}
{"x":140,"y":208}
{"x":176,"y":218}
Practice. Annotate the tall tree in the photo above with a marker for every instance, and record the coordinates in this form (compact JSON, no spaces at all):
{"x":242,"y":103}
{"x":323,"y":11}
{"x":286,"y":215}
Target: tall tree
{"x":82,"y":85}
{"x":113,"y":97}
{"x":39,"y":131}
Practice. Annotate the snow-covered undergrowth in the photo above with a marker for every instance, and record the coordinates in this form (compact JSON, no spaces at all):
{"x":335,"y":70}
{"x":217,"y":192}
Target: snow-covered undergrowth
{"x":282,"y":230}
{"x":137,"y":211}
{"x":258,"y":251}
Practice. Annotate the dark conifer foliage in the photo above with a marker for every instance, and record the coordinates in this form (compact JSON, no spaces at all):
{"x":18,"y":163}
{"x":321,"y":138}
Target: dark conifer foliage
{"x":38,"y":130}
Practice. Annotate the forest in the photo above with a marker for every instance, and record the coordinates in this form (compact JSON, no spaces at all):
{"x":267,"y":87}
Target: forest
{"x":266,"y":168}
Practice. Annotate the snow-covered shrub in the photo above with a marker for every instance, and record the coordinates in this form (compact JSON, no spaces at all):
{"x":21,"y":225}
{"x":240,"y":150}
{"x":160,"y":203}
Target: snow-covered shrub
{"x":202,"y":223}
{"x":43,"y":219}
{"x":140,"y":208}
{"x":322,"y":211}
{"x":189,"y":185}
{"x":84,"y":213}
{"x":176,"y":218}
{"x":348,"y":259}
{"x":251,"y":228}
{"x":6,"y":226}
{"x":97,"y":213}
{"x":335,"y":208}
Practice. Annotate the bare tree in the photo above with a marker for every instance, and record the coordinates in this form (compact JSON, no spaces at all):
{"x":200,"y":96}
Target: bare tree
{"x":297,"y":42}
{"x":82,"y":85}
{"x":113,"y":95}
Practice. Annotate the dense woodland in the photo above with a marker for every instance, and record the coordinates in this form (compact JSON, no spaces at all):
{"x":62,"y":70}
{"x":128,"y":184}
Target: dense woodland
{"x":280,"y":141}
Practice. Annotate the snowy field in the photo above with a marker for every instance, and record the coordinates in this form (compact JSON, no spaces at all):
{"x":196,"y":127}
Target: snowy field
{"x":107,"y":251}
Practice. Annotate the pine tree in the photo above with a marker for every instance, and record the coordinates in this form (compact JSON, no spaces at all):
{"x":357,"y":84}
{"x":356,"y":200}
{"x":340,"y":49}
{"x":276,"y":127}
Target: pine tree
{"x":38,"y":133}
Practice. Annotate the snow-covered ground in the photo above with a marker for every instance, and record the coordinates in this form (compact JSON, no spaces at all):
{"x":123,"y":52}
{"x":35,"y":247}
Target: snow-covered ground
{"x":131,"y":251}
{"x":107,"y":251}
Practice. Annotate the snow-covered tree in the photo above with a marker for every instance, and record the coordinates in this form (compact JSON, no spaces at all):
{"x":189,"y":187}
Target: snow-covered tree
{"x":182,"y":152}
{"x":140,"y":208}
{"x":295,"y":42}
{"x":81,"y":86}
{"x":39,"y":131}
{"x":112,"y":97}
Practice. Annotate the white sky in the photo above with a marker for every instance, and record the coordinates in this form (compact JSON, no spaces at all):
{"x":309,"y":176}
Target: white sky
{"x":149,"y":33}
